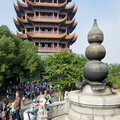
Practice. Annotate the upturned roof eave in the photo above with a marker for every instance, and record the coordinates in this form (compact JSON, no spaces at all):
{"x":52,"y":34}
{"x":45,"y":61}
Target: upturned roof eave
{"x":73,"y":40}
{"x":70,"y":7}
{"x":17,"y":24}
{"x":46,"y":4}
{"x":70,"y":22}
{"x":22,"y":20}
{"x":46,"y":20}
{"x":21,"y":4}
{"x":73,"y":27}
{"x":69,"y":37}
{"x":24,"y":36}
{"x":72,"y":14}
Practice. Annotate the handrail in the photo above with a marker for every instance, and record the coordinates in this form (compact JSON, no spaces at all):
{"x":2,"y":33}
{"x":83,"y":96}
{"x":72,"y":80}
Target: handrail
{"x":55,"y":104}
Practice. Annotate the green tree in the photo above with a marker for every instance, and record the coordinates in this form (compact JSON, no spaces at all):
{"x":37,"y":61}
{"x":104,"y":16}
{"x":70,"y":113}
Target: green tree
{"x":64,"y":69}
{"x":114,"y":73}
{"x":31,"y":64}
{"x":5,"y":31}
{"x":18,"y":58}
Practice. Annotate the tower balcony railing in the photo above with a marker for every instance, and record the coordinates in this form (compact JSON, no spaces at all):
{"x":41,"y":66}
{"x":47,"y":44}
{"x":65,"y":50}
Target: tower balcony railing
{"x":51,"y":49}
{"x":46,"y":32}
{"x":49,"y":17}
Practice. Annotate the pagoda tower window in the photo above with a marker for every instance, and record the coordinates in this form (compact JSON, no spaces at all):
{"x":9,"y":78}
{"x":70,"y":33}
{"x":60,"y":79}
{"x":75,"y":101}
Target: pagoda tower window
{"x":37,"y":44}
{"x":62,"y":1}
{"x":37,"y":13}
{"x":30,"y":29}
{"x":42,"y":44}
{"x":55,"y":44}
{"x":30,"y":14}
{"x":32,"y":0}
{"x":55,"y":15}
{"x":24,"y":31}
{"x":55,"y":30}
{"x":63,"y":45}
{"x":61,"y":16}
{"x":49,"y":44}
{"x":46,"y":1}
{"x":23,"y":17}
{"x":37,"y":28}
{"x":43,"y":1}
{"x":62,"y":31}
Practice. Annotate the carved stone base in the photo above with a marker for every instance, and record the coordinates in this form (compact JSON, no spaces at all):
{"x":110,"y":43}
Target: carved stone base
{"x":89,"y":105}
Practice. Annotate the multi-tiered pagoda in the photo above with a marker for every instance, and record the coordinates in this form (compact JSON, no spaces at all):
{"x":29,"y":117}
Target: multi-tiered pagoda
{"x":48,"y":23}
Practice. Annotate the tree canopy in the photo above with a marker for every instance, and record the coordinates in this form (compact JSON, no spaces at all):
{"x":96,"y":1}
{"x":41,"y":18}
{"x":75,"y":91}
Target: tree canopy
{"x":64,"y":69}
{"x":114,"y":73}
{"x":18,"y":58}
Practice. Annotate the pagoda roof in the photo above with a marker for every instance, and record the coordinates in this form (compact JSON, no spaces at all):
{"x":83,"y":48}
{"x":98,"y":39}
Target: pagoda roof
{"x":70,"y":7}
{"x":72,"y":14}
{"x":46,"y":19}
{"x":46,"y":4}
{"x":73,"y":40}
{"x":70,"y":37}
{"x":21,"y":4}
{"x":70,"y":22}
{"x":16,"y":9}
{"x":17,"y":24}
{"x":24,"y":36}
{"x":73,"y":27}
{"x":22,"y":20}
{"x":38,"y":35}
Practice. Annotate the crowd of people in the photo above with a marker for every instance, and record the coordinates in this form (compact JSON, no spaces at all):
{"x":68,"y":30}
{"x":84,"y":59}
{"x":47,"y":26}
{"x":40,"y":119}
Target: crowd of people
{"x":22,"y":92}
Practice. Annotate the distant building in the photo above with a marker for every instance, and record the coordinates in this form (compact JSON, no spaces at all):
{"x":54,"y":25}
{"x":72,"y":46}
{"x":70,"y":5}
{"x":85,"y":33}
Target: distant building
{"x":47,"y":23}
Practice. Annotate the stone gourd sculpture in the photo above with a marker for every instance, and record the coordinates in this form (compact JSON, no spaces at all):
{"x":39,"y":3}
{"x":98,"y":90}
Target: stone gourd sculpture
{"x":95,"y":70}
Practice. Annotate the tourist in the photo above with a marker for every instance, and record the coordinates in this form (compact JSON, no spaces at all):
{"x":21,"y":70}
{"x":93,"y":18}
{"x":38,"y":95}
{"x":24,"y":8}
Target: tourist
{"x":17,"y":105}
{"x":0,"y":115}
{"x":39,"y":96}
{"x":7,"y":112}
{"x":33,"y":106}
{"x":38,"y":103}
{"x":47,"y":96}
{"x":33,"y":95}
{"x":1,"y":109}
{"x":23,"y":100}
{"x":6,"y":102}
{"x":1,"y":106}
{"x":28,"y":95}
{"x":13,"y":111}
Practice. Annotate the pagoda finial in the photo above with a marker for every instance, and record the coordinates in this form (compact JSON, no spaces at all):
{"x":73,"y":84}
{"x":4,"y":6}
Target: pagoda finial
{"x":95,"y":23}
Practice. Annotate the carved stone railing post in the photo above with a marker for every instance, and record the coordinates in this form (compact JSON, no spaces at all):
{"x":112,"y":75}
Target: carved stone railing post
{"x":42,"y":112}
{"x":66,"y":99}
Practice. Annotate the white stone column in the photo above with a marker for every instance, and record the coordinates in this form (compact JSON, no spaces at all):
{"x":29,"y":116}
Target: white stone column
{"x":42,"y":113}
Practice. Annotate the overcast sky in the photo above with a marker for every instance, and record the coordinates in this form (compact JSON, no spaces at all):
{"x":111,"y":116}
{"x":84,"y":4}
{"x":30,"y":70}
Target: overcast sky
{"x":107,"y":13}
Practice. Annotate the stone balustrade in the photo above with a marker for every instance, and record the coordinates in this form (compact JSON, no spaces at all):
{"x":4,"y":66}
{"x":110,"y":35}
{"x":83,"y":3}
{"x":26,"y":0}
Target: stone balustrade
{"x":57,"y":109}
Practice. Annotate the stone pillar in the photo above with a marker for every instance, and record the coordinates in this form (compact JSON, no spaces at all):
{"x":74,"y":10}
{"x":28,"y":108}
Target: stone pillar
{"x":42,"y":113}
{"x":66,"y":102}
